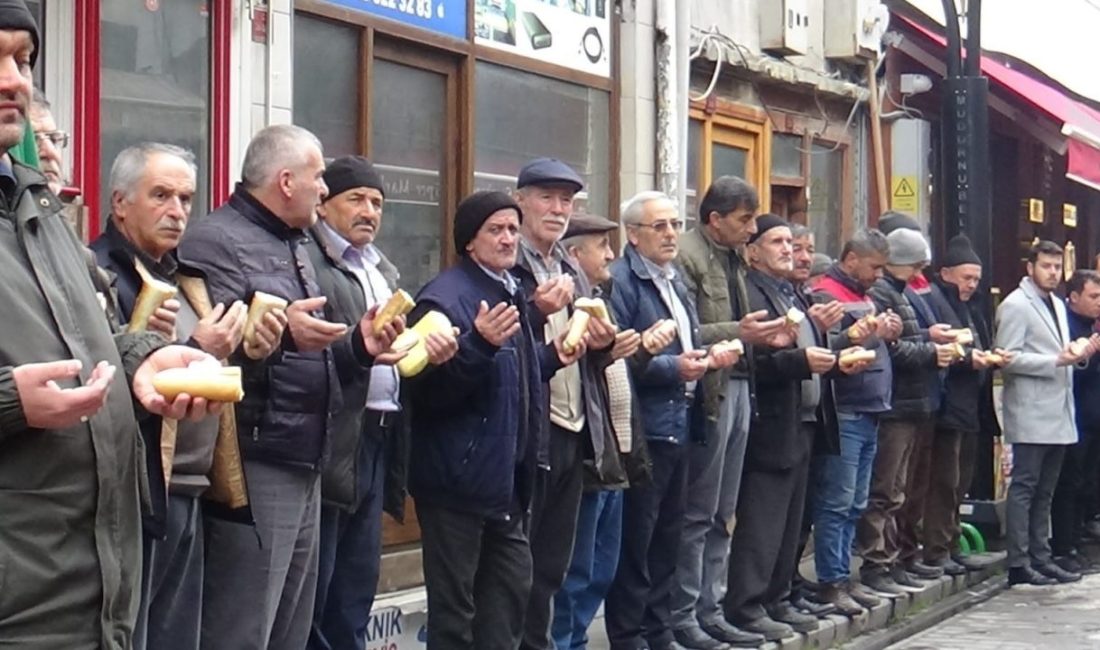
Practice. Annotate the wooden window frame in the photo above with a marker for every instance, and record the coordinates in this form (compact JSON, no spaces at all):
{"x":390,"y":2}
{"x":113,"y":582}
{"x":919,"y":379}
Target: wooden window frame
{"x":726,"y":118}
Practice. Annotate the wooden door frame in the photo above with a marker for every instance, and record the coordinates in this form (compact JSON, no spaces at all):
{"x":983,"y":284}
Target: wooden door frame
{"x":754,"y":126}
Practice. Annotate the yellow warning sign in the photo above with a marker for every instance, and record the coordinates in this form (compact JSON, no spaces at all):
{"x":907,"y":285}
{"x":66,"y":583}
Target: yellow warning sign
{"x":903,"y":194}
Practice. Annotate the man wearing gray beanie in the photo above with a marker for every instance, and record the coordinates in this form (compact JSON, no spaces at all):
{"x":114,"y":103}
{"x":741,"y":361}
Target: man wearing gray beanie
{"x":913,"y":358}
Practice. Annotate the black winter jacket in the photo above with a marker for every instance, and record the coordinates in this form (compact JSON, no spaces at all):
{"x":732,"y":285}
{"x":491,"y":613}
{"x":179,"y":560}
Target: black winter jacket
{"x":291,"y":396}
{"x":963,"y":385}
{"x":912,"y":357}
{"x":1086,"y":380}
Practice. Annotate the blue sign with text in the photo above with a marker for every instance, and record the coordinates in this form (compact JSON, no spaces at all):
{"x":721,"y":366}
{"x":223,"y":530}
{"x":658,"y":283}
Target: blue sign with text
{"x":442,"y":16}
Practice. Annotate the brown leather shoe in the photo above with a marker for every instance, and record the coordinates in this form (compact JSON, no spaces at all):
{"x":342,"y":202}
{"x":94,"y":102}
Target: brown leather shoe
{"x":836,"y":594}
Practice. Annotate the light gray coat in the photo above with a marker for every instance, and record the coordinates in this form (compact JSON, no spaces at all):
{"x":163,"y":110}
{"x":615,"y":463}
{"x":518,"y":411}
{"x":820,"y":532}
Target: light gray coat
{"x":1038,"y":395}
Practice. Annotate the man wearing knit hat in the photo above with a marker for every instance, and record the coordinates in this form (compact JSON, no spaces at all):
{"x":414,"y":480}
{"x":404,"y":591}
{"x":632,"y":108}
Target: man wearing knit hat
{"x":69,"y":388}
{"x":576,"y":408}
{"x":910,"y":414}
{"x":764,"y":548}
{"x":476,"y":422}
{"x":357,"y":279}
{"x":966,"y":410}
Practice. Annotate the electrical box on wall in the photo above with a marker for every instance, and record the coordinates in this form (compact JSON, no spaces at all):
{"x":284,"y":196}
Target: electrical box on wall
{"x":854,"y":29}
{"x":785,"y":26}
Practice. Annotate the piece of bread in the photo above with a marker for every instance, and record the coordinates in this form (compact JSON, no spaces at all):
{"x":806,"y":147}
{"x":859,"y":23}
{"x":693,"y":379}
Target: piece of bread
{"x":152,"y":295}
{"x":594,"y":306}
{"x":417,"y":358}
{"x":856,"y":354}
{"x":260,"y":305}
{"x":958,"y":351}
{"x":664,"y":326}
{"x":578,"y":325}
{"x":994,"y":359}
{"x":794,"y":316}
{"x":216,"y":384}
{"x":963,"y":335}
{"x":1079,"y":347}
{"x":733,"y":344}
{"x":866,"y":322}
{"x":399,"y":304}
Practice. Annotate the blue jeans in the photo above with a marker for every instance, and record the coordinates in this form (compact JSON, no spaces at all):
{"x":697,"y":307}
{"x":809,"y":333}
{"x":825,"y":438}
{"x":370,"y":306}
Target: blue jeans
{"x":595,"y":558}
{"x":843,"y":483}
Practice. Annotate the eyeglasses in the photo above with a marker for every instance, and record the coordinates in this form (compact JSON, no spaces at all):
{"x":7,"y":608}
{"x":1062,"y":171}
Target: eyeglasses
{"x":664,"y":225}
{"x":59,"y":139}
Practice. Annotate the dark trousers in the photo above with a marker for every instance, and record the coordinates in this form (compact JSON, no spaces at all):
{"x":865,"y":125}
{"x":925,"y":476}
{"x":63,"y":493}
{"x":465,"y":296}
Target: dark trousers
{"x":638,"y":605}
{"x":877,"y":530}
{"x":171,"y":583}
{"x":259,"y":593}
{"x":350,"y":555}
{"x":945,"y":492}
{"x":477,"y":572}
{"x":553,"y":529}
{"x":1075,"y":497}
{"x":910,"y":519}
{"x":764,"y":551}
{"x":1035,"y":470}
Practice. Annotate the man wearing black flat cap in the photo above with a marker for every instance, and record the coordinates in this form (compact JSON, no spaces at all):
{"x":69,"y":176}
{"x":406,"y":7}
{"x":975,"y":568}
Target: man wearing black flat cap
{"x":70,"y":478}
{"x":356,"y":278}
{"x":475,"y":423}
{"x":575,"y":408}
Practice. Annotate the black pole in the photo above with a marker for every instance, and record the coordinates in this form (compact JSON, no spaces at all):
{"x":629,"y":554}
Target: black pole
{"x":954,"y":41}
{"x":974,"y":39}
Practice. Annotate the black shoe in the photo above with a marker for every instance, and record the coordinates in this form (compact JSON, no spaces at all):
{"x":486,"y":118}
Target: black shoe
{"x":1085,"y":564}
{"x":950,"y":567}
{"x":784,"y":612}
{"x":968,"y":562}
{"x":863,"y":596}
{"x":771,"y":630}
{"x":1092,"y":528}
{"x":923,"y":571}
{"x":727,"y":633}
{"x":905,"y":580}
{"x":836,"y":594}
{"x":1022,"y":575}
{"x":696,"y":639}
{"x":820,"y":610}
{"x":671,"y":645}
{"x":879,"y":580}
{"x":1052,"y":570}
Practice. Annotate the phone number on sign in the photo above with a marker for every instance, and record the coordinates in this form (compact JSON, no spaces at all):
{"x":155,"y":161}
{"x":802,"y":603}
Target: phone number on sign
{"x":421,"y":8}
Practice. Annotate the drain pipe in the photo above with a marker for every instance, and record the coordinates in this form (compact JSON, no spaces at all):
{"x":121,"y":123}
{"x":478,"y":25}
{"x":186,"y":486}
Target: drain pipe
{"x":669,"y":113}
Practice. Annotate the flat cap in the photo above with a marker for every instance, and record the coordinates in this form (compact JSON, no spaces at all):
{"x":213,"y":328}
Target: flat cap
{"x":589,"y":224}
{"x":549,"y":171}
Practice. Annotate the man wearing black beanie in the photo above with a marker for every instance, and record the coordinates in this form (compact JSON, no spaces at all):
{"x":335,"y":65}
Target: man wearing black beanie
{"x":356,"y":278}
{"x":966,"y":410}
{"x":69,"y":387}
{"x":475,"y":422}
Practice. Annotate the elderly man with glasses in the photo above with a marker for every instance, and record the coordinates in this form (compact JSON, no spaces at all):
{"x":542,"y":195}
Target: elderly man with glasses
{"x":49,"y":140}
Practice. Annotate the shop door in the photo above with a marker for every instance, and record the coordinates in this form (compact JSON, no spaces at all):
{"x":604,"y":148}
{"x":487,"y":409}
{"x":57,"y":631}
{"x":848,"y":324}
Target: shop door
{"x":732,"y":153}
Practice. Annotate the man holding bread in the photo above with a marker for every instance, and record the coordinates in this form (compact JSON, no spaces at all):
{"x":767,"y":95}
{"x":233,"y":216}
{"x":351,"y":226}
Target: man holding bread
{"x":764,"y":550}
{"x":842,"y":480}
{"x":648,"y":289}
{"x":1038,"y":410}
{"x":475,"y":422}
{"x":151,"y":189}
{"x":356,"y":278}
{"x":967,"y":408}
{"x":250,"y":250}
{"x":576,"y":407}
{"x":714,"y":273}
{"x":599,"y":519}
{"x":69,"y":444}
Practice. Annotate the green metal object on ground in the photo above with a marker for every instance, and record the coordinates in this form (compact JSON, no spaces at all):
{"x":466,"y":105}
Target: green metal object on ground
{"x":974,"y":538}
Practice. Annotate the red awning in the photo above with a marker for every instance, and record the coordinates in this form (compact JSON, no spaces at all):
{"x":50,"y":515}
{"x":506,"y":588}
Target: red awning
{"x":1080,"y":122}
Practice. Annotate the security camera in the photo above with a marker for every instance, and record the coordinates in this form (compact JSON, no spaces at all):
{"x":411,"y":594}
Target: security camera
{"x":914,"y":84}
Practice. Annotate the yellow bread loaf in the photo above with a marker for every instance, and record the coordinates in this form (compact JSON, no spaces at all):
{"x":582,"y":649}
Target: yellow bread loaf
{"x":854,"y":355}
{"x":399,"y":304}
{"x":594,"y":306}
{"x":261,"y":304}
{"x":578,"y":325}
{"x":152,"y":295}
{"x":215,"y":384}
{"x":417,"y":358}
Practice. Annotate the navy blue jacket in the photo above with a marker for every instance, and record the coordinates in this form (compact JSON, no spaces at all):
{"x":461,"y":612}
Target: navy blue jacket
{"x":669,"y":412}
{"x":475,"y":420}
{"x":291,"y":396}
{"x":1086,"y":381}
{"x":926,"y":318}
{"x":870,"y":391}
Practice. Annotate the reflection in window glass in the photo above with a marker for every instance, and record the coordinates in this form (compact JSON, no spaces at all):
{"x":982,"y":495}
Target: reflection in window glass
{"x":728,"y":161}
{"x":823,"y":214}
{"x":408,"y":118}
{"x":693,"y":194}
{"x":155,"y":83}
{"x":787,"y":155}
{"x":326,"y":83}
{"x":520,"y":116}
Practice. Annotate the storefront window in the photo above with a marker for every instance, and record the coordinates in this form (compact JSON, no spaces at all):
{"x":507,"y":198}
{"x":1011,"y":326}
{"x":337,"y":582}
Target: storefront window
{"x":520,"y":116}
{"x":155,"y":82}
{"x":787,"y":155}
{"x":824,"y":211}
{"x":326,"y":82}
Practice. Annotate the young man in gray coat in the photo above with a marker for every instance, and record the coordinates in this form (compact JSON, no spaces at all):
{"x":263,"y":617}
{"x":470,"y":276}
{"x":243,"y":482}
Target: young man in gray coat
{"x":1038,"y":410}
